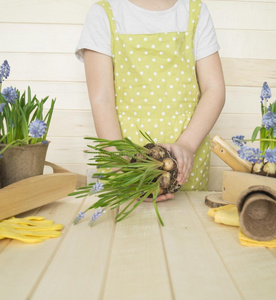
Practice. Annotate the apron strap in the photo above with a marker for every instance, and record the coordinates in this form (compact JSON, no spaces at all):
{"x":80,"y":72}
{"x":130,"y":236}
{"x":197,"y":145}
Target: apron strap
{"x":108,"y":10}
{"x":195,"y":6}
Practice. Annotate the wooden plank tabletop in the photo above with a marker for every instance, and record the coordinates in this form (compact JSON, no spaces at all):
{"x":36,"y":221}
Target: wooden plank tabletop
{"x":191,"y":257}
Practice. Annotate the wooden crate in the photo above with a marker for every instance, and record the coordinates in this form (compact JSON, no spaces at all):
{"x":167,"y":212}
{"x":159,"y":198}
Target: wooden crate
{"x":234,"y":182}
{"x":39,"y":190}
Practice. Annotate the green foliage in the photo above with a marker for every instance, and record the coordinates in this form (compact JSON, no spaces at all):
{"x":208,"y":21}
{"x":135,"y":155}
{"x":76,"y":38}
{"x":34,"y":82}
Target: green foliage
{"x":127,"y":182}
{"x":16,"y":118}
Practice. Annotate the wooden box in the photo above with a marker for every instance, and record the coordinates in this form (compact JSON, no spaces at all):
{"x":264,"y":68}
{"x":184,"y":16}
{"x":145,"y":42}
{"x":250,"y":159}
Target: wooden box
{"x":234,"y":182}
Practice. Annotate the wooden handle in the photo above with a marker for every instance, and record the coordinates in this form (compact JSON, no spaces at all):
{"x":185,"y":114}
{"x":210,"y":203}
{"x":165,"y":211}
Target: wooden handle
{"x":81,"y":179}
{"x":229,"y":155}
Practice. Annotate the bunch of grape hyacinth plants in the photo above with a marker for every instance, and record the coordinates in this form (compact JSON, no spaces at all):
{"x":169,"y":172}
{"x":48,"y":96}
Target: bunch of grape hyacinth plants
{"x":263,"y":159}
{"x":21,"y":115}
{"x":135,"y":174}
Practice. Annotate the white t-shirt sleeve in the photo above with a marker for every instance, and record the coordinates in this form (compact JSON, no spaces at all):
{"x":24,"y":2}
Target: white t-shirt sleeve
{"x":205,"y":41}
{"x":95,"y":33}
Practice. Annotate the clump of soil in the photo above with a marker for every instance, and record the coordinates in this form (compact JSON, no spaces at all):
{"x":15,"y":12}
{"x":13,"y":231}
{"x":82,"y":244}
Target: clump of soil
{"x":167,"y":180}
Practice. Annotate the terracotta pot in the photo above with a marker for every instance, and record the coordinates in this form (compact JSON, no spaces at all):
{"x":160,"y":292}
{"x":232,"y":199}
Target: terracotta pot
{"x":257,"y":211}
{"x":22,"y":162}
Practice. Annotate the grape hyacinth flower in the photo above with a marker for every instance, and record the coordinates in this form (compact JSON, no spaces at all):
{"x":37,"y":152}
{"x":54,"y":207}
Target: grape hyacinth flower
{"x":270,"y":155}
{"x":266,"y":91}
{"x":4,"y":71}
{"x":269,"y":120}
{"x":10,"y":94}
{"x":253,"y":155}
{"x":98,"y":213}
{"x":79,"y":217}
{"x":2,"y":105}
{"x":98,"y":186}
{"x":37,"y":128}
{"x":239,"y":140}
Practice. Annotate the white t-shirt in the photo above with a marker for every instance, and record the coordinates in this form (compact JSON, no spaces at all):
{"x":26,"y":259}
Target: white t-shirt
{"x":132,"y":19}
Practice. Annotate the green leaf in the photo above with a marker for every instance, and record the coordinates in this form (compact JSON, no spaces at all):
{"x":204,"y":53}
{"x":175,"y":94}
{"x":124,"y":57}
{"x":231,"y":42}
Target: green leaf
{"x":255,"y":133}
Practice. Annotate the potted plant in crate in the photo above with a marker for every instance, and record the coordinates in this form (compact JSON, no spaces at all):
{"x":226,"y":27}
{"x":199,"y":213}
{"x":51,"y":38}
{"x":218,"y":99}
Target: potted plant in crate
{"x":263,"y":159}
{"x":23,"y":132}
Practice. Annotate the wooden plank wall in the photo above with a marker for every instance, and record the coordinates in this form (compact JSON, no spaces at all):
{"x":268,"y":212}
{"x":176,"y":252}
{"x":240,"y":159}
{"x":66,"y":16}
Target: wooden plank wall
{"x":38,"y":39}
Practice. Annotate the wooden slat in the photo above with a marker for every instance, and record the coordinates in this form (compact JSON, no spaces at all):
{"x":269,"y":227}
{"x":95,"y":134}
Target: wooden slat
{"x":137,"y":258}
{"x":215,"y":178}
{"x":45,"y":67}
{"x":24,"y":263}
{"x":249,"y":44}
{"x":249,"y":72}
{"x":59,"y":38}
{"x":68,"y":95}
{"x":47,"y":11}
{"x":237,"y":72}
{"x":69,"y":123}
{"x":252,"y":269}
{"x":226,"y":14}
{"x":244,"y":100}
{"x":73,"y":95}
{"x":260,"y":15}
{"x":190,"y":263}
{"x":45,"y":38}
{"x":79,"y":266}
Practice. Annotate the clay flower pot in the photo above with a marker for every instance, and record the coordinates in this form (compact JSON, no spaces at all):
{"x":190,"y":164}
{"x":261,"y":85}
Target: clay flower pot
{"x":257,"y":211}
{"x":21,"y":162}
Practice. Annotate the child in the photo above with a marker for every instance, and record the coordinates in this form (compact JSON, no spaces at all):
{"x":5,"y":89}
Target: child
{"x":153,"y":65}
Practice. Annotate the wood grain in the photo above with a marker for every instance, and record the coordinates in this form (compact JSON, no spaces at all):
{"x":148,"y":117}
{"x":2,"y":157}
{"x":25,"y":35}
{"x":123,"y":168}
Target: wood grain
{"x":80,"y":263}
{"x":35,"y":191}
{"x":190,"y":263}
{"x":18,"y":259}
{"x":243,"y":264}
{"x":138,"y":259}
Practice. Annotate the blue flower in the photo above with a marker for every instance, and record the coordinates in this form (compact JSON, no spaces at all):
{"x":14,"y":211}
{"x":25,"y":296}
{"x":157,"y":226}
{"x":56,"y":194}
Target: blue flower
{"x":78,"y":218}
{"x":2,"y":106}
{"x":266,"y":92}
{"x":10,"y":94}
{"x":253,"y":155}
{"x":4,"y":71}
{"x":98,"y":213}
{"x":37,"y":128}
{"x":97,"y":187}
{"x":269,"y":120}
{"x":239,"y":140}
{"x":270,"y":155}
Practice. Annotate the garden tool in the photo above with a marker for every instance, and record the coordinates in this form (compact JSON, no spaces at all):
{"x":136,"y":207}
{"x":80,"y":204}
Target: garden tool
{"x":234,"y":182}
{"x":228,"y":215}
{"x":230,"y":155}
{"x":31,"y":229}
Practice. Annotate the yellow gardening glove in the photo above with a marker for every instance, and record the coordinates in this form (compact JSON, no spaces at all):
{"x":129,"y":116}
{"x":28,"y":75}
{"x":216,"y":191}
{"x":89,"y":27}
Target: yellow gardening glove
{"x":30,"y":229}
{"x":246,"y":241}
{"x":227,"y":215}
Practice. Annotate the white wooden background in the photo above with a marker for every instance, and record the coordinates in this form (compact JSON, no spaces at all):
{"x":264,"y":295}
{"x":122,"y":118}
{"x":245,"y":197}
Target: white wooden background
{"x":38,"y":38}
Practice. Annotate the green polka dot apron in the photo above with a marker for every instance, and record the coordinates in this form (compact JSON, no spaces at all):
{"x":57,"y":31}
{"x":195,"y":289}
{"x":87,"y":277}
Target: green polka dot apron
{"x":156,"y":88}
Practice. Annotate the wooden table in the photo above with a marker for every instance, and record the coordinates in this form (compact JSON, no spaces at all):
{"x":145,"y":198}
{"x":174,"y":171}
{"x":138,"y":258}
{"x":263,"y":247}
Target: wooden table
{"x":190,"y":258}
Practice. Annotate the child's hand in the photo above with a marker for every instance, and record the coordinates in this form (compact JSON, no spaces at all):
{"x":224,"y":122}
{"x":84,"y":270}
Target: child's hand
{"x":161,"y":198}
{"x":185,"y":160}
